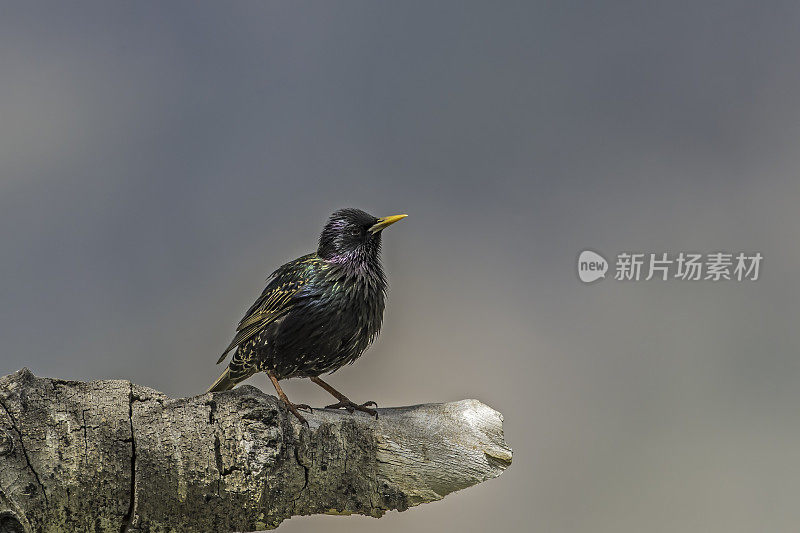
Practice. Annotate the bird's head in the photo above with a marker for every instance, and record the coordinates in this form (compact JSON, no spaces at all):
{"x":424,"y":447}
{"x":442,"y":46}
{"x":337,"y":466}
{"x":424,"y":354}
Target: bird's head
{"x":353,"y":235}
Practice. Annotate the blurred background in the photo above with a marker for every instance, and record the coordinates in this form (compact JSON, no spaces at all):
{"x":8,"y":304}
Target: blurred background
{"x":158,"y":160}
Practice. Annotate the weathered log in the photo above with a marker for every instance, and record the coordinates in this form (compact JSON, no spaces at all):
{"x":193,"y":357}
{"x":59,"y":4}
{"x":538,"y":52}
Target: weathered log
{"x":115,"y":456}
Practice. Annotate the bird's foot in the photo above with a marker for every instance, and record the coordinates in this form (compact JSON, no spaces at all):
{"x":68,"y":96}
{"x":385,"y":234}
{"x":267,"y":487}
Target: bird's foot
{"x":294,"y":408}
{"x":351,"y":406}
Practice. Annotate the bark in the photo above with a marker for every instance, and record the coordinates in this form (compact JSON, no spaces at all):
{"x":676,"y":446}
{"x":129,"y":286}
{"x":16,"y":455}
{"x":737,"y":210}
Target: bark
{"x":114,"y":456}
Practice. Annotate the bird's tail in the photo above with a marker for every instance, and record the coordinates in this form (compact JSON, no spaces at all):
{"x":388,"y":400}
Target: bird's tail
{"x":224,"y":382}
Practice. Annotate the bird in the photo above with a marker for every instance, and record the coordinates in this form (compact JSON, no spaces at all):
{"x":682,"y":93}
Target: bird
{"x":317,"y":312}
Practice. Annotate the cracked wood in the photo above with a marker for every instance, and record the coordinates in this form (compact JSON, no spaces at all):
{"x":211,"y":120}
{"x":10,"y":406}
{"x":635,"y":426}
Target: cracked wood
{"x":115,"y":456}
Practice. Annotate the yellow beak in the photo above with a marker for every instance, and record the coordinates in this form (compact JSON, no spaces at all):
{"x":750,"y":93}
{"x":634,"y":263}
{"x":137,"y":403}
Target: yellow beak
{"x":384,"y":222}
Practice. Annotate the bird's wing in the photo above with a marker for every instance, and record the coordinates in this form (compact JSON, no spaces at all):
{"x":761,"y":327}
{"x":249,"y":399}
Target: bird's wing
{"x":276,"y":299}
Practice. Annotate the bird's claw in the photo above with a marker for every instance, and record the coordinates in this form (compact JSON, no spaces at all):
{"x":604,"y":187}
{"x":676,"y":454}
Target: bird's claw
{"x":341,"y":405}
{"x":293,"y":408}
{"x":351,"y":406}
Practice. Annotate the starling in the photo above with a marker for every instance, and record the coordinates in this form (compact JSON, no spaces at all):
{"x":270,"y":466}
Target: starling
{"x":317,"y":312}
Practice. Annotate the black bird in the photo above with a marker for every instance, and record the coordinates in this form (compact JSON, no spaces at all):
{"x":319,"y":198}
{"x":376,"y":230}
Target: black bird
{"x":317,"y":312}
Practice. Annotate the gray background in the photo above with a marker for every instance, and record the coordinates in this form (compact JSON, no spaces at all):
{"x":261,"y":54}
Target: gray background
{"x":157,"y":161}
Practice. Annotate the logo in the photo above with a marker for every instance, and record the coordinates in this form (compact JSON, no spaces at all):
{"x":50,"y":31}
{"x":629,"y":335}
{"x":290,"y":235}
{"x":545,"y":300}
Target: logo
{"x":591,"y":266}
{"x":683,"y":266}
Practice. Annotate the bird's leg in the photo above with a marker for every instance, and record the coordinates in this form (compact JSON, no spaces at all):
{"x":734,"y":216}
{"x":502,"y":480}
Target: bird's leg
{"x":344,"y":401}
{"x":289,"y":405}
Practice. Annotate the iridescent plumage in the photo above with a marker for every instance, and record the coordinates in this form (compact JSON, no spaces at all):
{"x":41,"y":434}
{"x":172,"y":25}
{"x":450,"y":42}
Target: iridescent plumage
{"x":318,"y":312}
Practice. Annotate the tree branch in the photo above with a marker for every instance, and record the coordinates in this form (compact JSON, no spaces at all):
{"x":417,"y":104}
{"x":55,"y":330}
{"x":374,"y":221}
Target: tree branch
{"x":115,"y":456}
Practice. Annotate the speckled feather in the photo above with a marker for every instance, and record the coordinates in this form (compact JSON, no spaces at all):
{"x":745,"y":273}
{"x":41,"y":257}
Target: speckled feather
{"x":318,"y":312}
